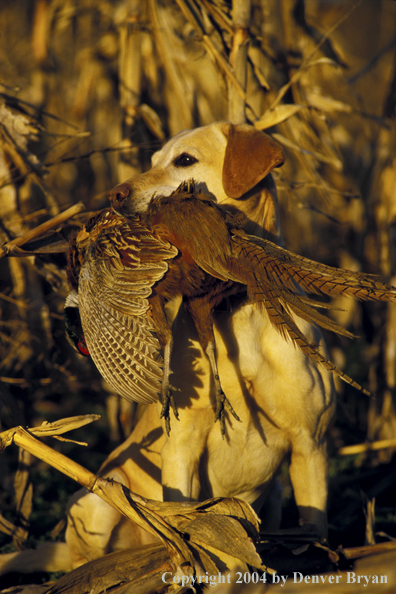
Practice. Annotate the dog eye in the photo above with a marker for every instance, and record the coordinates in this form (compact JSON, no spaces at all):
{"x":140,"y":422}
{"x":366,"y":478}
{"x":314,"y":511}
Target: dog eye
{"x":184,"y":160}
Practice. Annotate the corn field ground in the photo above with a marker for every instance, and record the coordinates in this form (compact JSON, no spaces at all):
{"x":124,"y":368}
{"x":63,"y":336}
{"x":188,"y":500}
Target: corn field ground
{"x":88,"y":91}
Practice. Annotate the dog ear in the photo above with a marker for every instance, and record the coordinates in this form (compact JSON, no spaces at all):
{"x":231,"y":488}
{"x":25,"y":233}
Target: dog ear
{"x":250,"y":155}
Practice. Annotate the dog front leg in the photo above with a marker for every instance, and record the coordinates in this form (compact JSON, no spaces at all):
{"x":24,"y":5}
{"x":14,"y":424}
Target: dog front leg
{"x":182,"y":454}
{"x":180,"y":470}
{"x":308,"y":474}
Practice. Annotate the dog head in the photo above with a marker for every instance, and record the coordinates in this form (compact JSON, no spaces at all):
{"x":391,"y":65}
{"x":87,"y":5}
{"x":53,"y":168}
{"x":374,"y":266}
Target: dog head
{"x":230,"y":162}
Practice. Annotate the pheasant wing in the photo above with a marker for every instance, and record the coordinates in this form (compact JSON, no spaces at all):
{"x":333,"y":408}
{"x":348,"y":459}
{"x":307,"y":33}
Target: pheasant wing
{"x":122,"y":262}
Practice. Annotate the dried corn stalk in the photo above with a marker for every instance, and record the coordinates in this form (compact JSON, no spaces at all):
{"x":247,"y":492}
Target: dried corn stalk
{"x":205,"y":536}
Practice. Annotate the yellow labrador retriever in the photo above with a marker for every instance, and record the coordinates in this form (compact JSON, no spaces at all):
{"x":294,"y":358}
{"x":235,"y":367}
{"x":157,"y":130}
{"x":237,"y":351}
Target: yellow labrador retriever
{"x":285,"y":402}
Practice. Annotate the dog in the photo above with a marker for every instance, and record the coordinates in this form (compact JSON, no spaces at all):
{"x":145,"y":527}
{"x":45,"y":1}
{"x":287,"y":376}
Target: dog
{"x":258,"y":368}
{"x":284,"y":401}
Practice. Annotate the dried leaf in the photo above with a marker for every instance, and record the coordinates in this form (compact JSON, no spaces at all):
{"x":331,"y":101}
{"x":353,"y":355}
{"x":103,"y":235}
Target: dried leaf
{"x":18,"y":130}
{"x":63,"y":425}
{"x":335,"y":163}
{"x":256,"y":57}
{"x":225,"y":535}
{"x":322,"y":60}
{"x":326,"y":103}
{"x":279,"y":114}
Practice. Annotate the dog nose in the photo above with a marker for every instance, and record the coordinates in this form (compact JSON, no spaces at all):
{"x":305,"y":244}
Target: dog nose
{"x":118,"y":196}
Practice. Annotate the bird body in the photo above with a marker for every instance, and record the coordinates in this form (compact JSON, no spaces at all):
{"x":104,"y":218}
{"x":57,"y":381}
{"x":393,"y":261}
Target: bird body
{"x":126,"y":269}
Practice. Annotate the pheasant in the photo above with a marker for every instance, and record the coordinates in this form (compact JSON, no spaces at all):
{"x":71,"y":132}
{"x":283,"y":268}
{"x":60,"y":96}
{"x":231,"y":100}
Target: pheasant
{"x":121,"y":273}
{"x":126,"y":269}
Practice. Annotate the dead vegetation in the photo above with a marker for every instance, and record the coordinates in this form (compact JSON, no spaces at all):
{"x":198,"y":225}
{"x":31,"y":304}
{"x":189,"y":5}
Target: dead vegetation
{"x":87,"y":92}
